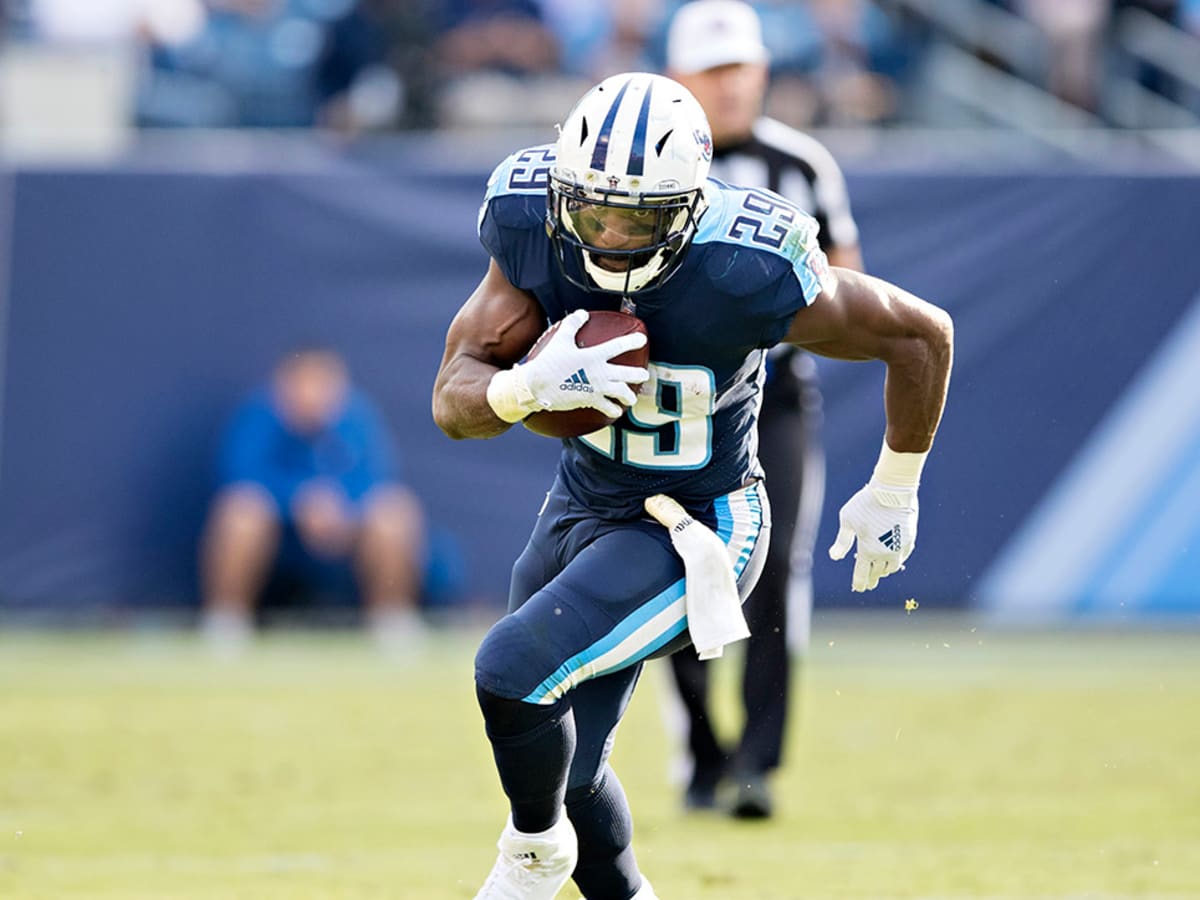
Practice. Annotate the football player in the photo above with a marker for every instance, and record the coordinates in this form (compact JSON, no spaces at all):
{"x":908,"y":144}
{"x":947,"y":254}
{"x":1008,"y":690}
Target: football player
{"x":619,"y":213}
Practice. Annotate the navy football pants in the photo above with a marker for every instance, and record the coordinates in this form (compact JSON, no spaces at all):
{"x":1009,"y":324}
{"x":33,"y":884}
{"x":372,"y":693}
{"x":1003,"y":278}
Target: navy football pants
{"x":592,"y":598}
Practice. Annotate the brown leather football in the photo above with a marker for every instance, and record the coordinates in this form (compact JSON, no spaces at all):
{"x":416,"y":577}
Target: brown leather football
{"x":602,"y":325}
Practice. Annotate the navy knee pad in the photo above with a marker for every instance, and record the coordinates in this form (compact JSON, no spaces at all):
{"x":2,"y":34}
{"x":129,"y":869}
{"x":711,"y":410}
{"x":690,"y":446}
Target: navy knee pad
{"x":524,"y":649}
{"x":509,"y":662}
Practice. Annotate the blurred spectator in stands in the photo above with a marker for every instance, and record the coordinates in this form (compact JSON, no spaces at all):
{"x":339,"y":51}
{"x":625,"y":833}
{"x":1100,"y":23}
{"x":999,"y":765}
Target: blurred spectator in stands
{"x":858,"y":56}
{"x":1188,"y":16}
{"x":833,"y":62}
{"x":1076,"y":30}
{"x":1167,"y":10}
{"x":598,"y":38}
{"x":310,"y":489}
{"x":501,"y":35}
{"x":499,"y":65}
{"x":71,"y":69}
{"x":276,"y":64}
{"x":114,"y":21}
{"x":1145,"y":71}
{"x":14,"y":17}
{"x":408,"y":28}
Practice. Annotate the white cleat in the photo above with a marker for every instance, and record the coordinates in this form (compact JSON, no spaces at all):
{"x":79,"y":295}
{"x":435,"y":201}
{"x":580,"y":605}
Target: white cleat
{"x":532,"y":866}
{"x":645,"y":892}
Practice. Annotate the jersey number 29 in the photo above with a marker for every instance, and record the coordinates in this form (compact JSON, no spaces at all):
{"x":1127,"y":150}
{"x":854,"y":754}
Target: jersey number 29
{"x":670,"y":426}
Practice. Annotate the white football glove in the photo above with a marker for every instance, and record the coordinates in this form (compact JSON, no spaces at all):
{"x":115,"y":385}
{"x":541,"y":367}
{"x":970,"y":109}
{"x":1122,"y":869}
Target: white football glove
{"x":564,"y":376}
{"x":883,"y":519}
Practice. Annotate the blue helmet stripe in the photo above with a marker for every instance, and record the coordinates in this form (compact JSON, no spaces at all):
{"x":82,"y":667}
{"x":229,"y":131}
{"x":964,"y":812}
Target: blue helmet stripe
{"x":600,"y":154}
{"x":637,"y":154}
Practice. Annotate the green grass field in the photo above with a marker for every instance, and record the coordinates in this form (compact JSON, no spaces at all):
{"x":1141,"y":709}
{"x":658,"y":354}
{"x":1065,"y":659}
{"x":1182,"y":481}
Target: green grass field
{"x":931,"y":760}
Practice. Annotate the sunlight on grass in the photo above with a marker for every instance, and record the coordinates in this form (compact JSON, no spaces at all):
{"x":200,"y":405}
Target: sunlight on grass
{"x":927,"y":760}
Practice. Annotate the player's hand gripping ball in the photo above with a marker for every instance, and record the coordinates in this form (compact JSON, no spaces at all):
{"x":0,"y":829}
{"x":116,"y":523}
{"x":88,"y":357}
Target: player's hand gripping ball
{"x":601,"y":326}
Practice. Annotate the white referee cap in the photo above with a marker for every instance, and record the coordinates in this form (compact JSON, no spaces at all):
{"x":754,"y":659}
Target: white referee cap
{"x":710,"y":33}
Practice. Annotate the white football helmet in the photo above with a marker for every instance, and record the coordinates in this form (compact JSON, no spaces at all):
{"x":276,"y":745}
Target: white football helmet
{"x":627,"y":189}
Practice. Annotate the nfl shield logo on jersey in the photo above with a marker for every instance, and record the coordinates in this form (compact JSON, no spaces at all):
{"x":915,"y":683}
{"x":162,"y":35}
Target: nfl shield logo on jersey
{"x":818,"y":264}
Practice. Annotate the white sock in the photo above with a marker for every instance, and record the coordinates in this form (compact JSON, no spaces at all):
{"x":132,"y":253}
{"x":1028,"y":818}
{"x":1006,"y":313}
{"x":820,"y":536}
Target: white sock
{"x":396,"y":628}
{"x":227,"y":631}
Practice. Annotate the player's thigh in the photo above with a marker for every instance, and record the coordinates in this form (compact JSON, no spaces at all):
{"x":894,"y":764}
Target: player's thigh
{"x":592,"y":596}
{"x":539,"y":562}
{"x":617,"y":600}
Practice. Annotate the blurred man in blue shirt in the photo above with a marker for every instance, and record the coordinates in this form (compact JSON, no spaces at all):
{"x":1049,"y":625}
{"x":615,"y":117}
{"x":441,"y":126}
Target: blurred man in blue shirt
{"x":309,"y":482}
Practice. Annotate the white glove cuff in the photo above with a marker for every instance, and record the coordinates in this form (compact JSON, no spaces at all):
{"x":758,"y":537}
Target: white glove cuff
{"x":899,"y":469}
{"x":509,"y":396}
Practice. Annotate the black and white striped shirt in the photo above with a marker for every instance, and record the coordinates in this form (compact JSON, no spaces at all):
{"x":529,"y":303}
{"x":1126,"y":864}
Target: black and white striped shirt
{"x":798,"y":167}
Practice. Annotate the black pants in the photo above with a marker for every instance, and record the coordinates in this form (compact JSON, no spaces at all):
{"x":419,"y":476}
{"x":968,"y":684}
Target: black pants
{"x":789,"y":448}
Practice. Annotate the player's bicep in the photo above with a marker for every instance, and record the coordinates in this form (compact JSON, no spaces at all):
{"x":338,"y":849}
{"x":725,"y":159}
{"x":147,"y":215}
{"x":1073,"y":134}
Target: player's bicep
{"x":497,"y":325}
{"x":494,"y":329}
{"x":857,"y":317}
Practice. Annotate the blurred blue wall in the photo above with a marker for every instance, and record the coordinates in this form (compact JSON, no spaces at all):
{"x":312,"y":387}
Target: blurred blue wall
{"x":142,"y":300}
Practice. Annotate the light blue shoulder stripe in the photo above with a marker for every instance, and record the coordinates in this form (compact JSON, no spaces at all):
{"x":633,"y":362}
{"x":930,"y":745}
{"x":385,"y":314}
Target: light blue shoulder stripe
{"x":766,"y":222}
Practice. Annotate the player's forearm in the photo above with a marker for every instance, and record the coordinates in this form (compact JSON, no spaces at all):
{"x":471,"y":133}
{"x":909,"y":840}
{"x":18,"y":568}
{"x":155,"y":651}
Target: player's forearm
{"x":460,"y":404}
{"x":867,"y":318}
{"x":918,"y":374}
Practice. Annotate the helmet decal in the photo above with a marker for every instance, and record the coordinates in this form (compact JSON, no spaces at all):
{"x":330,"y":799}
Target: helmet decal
{"x":637,"y":152}
{"x":600,"y":154}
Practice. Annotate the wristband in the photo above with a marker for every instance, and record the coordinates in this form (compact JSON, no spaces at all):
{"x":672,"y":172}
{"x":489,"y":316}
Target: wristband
{"x":509,"y":396}
{"x":899,"y":469}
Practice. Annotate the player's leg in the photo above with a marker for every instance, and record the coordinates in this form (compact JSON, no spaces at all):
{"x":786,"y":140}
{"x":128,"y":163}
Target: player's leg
{"x":709,"y":760}
{"x":599,"y":615}
{"x":533,"y":662}
{"x":781,"y":608}
{"x":554,"y":620}
{"x":532,"y":744}
{"x":389,"y":558}
{"x":595,"y":799}
{"x":542,"y":734}
{"x":239,"y":546}
{"x":808,"y":520}
{"x":766,"y":682}
{"x":707,"y":757}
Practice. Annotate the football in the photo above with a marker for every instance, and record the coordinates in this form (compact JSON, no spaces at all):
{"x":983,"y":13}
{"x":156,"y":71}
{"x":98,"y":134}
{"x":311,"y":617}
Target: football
{"x":601,"y":326}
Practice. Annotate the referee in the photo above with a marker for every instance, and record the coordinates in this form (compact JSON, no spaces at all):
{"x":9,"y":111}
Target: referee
{"x":715,"y":49}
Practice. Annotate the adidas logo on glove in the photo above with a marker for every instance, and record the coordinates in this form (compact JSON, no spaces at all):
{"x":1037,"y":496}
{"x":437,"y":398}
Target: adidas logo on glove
{"x":577,"y":382}
{"x":891,"y":539}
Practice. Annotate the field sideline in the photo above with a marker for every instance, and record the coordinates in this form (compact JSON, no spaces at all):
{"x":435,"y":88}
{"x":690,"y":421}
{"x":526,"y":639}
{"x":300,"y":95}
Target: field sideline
{"x":933,"y":760}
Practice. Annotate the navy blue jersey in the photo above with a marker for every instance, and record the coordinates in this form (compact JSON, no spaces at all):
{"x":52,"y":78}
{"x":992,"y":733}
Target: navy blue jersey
{"x":753,"y":263}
